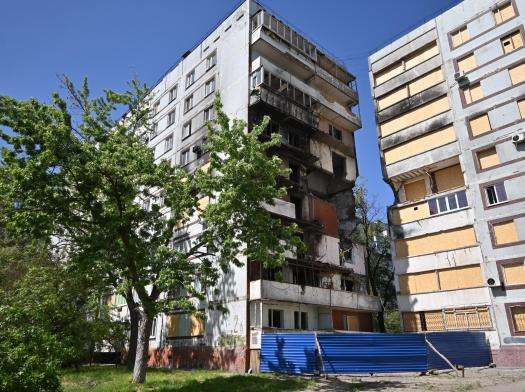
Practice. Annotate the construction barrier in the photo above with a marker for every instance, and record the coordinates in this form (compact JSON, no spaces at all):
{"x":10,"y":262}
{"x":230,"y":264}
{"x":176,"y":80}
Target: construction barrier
{"x":347,"y":353}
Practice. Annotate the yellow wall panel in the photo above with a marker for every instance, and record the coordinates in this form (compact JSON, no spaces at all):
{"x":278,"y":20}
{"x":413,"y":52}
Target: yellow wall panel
{"x":467,"y":63}
{"x":436,"y":242}
{"x":415,"y":116}
{"x":473,"y":93}
{"x":521,"y":107}
{"x":517,"y":74}
{"x":449,"y":178}
{"x":389,"y":73}
{"x":421,"y":144}
{"x":421,"y":55}
{"x":503,"y":13}
{"x":410,"y":213}
{"x":392,"y":98}
{"x":460,"y":36}
{"x":514,"y":273}
{"x":518,"y":318}
{"x":488,"y":158}
{"x":480,"y":125}
{"x":505,"y":232}
{"x":425,"y":81}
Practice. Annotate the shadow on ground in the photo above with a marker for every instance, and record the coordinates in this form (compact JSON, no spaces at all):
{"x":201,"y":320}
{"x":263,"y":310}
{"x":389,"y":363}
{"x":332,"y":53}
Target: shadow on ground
{"x":333,"y":384}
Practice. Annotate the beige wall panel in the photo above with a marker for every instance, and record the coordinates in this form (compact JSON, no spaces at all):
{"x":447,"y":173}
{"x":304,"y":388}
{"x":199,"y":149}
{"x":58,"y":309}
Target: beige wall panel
{"x":505,"y":232}
{"x":410,"y":213}
{"x":473,"y":93}
{"x":504,"y":13}
{"x":389,"y":73}
{"x":518,"y":318}
{"x":488,"y":158}
{"x":469,"y":277}
{"x":467,"y":63}
{"x":514,"y":273}
{"x":521,"y":107}
{"x":421,"y":55}
{"x":419,"y":145}
{"x":392,"y":98}
{"x":449,"y":178}
{"x":415,"y":116}
{"x":437,"y":242}
{"x":480,"y":125}
{"x":517,"y":74}
{"x":415,"y":190}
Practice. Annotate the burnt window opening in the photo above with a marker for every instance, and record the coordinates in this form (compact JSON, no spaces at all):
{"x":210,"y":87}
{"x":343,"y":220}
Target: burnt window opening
{"x":348,"y":284}
{"x":295,"y":174}
{"x":339,"y":165}
{"x":298,"y":203}
{"x":305,"y":276}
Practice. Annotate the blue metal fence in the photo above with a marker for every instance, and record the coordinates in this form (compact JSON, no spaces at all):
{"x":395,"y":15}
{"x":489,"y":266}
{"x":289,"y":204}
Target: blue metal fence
{"x":292,"y":353}
{"x":373,"y":353}
{"x":296,"y":353}
{"x":469,"y":349}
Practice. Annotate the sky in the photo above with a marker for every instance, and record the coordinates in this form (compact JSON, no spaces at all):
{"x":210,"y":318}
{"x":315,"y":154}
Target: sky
{"x":113,"y":41}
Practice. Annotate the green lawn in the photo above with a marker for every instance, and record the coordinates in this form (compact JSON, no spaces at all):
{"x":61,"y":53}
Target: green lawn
{"x":110,"y":378}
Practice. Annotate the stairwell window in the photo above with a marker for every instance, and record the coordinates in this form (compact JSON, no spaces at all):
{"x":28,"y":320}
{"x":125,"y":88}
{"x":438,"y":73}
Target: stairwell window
{"x":168,"y":143}
{"x":300,"y":320}
{"x":335,"y":133}
{"x":275,"y":318}
{"x":190,"y":78}
{"x":209,"y":87}
{"x":156,"y":107}
{"x":211,"y":60}
{"x":188,"y":103}
{"x":186,"y":130}
{"x":209,"y":114}
{"x":185,"y":157}
{"x":173,"y":93}
{"x":496,"y":193}
{"x":171,"y":117}
{"x":460,"y":36}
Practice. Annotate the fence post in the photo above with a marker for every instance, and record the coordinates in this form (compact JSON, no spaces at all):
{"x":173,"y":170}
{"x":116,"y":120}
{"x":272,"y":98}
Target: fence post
{"x":320,"y":356}
{"x":441,"y":355}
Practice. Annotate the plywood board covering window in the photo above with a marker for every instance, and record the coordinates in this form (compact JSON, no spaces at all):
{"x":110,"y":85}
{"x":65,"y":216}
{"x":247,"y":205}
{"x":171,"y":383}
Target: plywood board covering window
{"x":420,"y":144}
{"x":410,"y":213}
{"x":517,"y":74}
{"x":460,"y":36}
{"x":480,"y":125}
{"x":408,"y":62}
{"x":488,"y":158}
{"x":473,"y":93}
{"x":512,"y":42}
{"x":437,"y":242}
{"x":184,"y":325}
{"x":518,"y":318}
{"x":460,"y":278}
{"x":467,"y":63}
{"x":415,"y":116}
{"x":521,"y":107}
{"x":468,"y":318}
{"x":392,"y":98}
{"x":505,"y":232}
{"x":448,"y":178}
{"x":415,"y":190}
{"x":514,"y":273}
{"x":423,"y":282}
{"x":503,"y":13}
{"x":411,"y":322}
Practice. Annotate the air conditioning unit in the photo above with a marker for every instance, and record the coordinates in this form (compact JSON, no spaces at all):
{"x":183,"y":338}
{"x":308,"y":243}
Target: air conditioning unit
{"x":462,"y":79}
{"x":493,"y":281}
{"x":255,"y":339}
{"x":518,"y":137}
{"x":459,"y":74}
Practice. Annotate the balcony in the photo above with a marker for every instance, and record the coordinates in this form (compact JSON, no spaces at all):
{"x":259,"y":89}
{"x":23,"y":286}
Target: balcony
{"x":284,"y":105}
{"x":444,"y":299}
{"x":288,"y":292}
{"x":336,"y":89}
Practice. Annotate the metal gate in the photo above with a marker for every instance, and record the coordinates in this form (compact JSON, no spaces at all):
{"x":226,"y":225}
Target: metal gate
{"x":469,"y":349}
{"x":373,"y":352}
{"x":292,"y":353}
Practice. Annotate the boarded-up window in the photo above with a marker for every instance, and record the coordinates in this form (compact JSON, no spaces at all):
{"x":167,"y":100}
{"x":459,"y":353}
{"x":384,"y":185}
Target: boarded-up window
{"x":460,"y":36}
{"x":392,"y":98}
{"x":512,"y":42}
{"x":434,"y":320}
{"x":518,"y":317}
{"x":415,"y":190}
{"x":521,"y":107}
{"x":425,"y":81}
{"x":410,"y":213}
{"x":415,"y":116}
{"x":473,"y":93}
{"x":468,"y":318}
{"x":480,"y":125}
{"x":436,"y":242}
{"x":420,"y":144}
{"x":505,"y":232}
{"x":503,"y":13}
{"x":467,"y":63}
{"x":421,"y":55}
{"x":488,"y":158}
{"x":448,"y":178}
{"x":514,"y":273}
{"x":460,"y":278}
{"x":411,"y":322}
{"x":184,"y":325}
{"x":388,"y":73}
{"x":517,"y":74}
{"x":422,"y":282}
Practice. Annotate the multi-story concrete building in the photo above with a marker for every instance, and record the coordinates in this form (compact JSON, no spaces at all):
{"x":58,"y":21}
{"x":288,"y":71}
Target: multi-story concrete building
{"x":262,"y":66}
{"x":450,"y":106}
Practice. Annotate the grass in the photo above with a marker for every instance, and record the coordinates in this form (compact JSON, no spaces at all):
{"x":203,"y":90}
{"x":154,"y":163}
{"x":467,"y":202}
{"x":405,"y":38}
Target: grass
{"x":111,"y":378}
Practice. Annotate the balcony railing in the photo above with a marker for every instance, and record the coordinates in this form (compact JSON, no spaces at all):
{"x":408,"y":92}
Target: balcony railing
{"x":335,"y":82}
{"x":284,"y":105}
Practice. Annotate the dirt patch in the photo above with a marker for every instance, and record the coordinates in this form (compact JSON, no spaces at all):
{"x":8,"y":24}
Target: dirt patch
{"x":476,"y":379}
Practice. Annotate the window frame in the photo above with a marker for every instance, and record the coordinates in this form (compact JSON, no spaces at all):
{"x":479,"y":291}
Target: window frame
{"x":212,"y":56}
{"x":173,"y":93}
{"x":271,"y":320}
{"x":300,"y":323}
{"x":184,"y":153}
{"x":211,"y":82}
{"x":168,"y":143}
{"x":190,"y":78}
{"x":496,"y":193}
{"x":172,"y":115}
{"x":446,"y":197}
{"x":188,"y":103}
{"x":187,"y":125}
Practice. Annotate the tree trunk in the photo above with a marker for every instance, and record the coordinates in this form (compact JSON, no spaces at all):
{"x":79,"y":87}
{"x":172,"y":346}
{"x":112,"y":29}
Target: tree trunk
{"x":381,"y":320}
{"x":141,"y":357}
{"x":134,"y":327}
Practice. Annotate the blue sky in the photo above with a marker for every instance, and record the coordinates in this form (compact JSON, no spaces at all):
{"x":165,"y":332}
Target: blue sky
{"x":113,"y":41}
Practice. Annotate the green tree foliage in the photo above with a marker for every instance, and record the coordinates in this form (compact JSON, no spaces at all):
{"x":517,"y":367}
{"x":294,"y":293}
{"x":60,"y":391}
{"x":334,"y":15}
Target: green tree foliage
{"x":372,"y":234}
{"x":83,"y":180}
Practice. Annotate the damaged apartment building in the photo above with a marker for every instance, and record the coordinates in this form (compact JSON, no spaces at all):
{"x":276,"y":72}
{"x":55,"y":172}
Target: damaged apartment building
{"x":450,"y":109}
{"x":261,"y":66}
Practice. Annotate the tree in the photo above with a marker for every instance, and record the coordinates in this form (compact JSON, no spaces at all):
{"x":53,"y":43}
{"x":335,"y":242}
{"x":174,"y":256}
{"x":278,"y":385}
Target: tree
{"x":372,"y":234}
{"x":85,"y":181}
